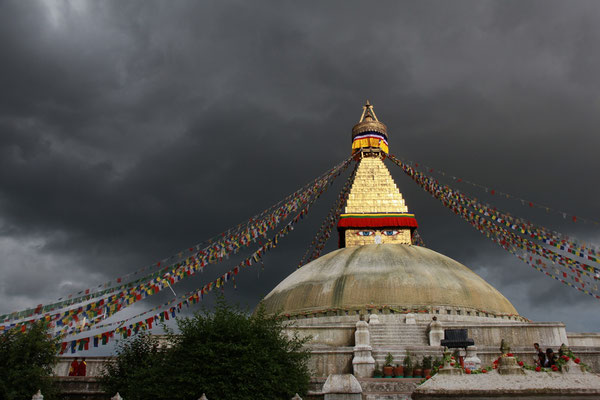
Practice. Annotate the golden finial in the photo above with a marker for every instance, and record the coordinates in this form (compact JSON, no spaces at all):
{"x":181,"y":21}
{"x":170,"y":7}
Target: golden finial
{"x":368,"y":112}
{"x":369,"y":132}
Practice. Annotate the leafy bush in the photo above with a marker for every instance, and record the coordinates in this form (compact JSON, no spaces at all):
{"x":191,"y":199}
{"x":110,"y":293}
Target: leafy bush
{"x":427,"y":362}
{"x":389,"y":360}
{"x":226,"y":354}
{"x":26,"y":363}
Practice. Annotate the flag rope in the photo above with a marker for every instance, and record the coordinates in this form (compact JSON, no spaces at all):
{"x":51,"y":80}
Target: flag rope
{"x":493,"y":224}
{"x":116,"y":302}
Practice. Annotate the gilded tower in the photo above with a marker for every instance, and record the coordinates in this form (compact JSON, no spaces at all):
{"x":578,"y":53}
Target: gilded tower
{"x":375,"y":212}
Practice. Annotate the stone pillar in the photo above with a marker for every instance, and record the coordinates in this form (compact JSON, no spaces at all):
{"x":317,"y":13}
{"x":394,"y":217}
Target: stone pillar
{"x":363,"y":363}
{"x":471,"y":359}
{"x":203,"y":397}
{"x":410,"y":319}
{"x":38,"y":396}
{"x":374,"y":319}
{"x":116,"y":397}
{"x":448,"y":368}
{"x":436,"y":332}
{"x":342,"y":387}
{"x":508,"y":366}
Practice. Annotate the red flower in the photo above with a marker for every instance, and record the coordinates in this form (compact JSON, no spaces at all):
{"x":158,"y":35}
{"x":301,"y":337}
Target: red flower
{"x":467,"y":371}
{"x":577,"y":360}
{"x":521,"y":363}
{"x":538,"y":369}
{"x":452,"y":364}
{"x":495,"y":361}
{"x":554,"y":368}
{"x":509,"y":354}
{"x":484,"y":371}
{"x":452,"y":357}
{"x":428,"y":377}
{"x":567,"y":358}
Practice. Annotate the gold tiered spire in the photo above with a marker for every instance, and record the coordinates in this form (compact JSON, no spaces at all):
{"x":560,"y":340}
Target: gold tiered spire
{"x":375,"y":211}
{"x":374,"y":190}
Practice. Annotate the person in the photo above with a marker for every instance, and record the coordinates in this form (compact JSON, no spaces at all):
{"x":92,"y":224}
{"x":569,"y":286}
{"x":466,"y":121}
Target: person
{"x":74,"y":368}
{"x":81,"y":371}
{"x":541,"y":359}
{"x":550,"y":358}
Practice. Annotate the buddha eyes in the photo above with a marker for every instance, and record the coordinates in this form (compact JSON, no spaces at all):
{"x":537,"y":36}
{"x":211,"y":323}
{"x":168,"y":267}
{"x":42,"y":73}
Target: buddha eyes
{"x":371,"y":233}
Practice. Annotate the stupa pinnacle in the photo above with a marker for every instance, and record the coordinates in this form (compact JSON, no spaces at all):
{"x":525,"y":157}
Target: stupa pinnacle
{"x":375,"y":212}
{"x":369,"y":135}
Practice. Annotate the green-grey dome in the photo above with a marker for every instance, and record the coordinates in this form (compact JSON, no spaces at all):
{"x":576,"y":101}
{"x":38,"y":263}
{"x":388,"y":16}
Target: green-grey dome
{"x":384,"y":275}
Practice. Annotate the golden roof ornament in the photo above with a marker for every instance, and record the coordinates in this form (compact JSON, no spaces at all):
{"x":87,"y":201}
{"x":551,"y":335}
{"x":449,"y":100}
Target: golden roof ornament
{"x":369,"y":135}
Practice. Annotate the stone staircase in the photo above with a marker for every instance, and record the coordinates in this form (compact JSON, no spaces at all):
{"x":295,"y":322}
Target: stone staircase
{"x":397,"y":339}
{"x":398,"y":335}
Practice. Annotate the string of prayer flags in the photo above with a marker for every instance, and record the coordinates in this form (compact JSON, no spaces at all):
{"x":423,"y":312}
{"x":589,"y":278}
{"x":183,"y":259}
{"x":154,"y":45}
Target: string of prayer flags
{"x":577,"y":246}
{"x":130,"y":293}
{"x":324,"y":233}
{"x":190,"y":298}
{"x":512,"y":235}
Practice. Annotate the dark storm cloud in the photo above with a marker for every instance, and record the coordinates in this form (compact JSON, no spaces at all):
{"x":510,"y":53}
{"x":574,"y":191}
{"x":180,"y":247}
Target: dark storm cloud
{"x":132,"y":130}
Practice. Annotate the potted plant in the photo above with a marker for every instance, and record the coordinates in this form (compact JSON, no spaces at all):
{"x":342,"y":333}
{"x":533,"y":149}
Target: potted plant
{"x":417,"y":370}
{"x":377,"y":372}
{"x":427,"y":365}
{"x":388,"y":368}
{"x":399,"y":371}
{"x":408,"y":366}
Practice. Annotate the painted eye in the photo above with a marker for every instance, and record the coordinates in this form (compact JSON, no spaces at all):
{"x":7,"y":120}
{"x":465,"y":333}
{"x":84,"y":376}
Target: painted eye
{"x":390,"y":233}
{"x":365,"y":233}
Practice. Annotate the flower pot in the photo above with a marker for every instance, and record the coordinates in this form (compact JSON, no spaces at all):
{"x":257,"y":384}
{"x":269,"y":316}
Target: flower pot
{"x":426,"y":372}
{"x":408,"y":372}
{"x":388,"y":371}
{"x":417,"y":372}
{"x":399,"y":371}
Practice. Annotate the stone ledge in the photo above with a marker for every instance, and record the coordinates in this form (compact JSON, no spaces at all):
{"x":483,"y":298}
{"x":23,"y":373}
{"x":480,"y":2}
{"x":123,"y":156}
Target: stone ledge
{"x":492,"y":385}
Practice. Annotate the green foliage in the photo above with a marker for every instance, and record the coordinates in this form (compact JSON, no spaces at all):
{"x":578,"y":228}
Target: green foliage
{"x":26,"y":363}
{"x":225,"y":354}
{"x":389,"y":360}
{"x":136,"y":372}
{"x":377,"y":373}
{"x":408,"y":361}
{"x":427,"y":362}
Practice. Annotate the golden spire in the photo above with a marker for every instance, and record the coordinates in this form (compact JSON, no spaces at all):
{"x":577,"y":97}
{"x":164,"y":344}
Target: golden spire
{"x":368,"y":112}
{"x":369,"y":135}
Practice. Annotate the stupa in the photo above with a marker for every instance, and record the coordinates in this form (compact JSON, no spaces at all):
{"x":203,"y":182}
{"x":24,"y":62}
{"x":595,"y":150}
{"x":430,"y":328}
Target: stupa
{"x":379,"y":275}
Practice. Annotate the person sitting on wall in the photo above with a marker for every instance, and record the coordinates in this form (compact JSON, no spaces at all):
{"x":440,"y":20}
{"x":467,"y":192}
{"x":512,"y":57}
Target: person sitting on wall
{"x":540,"y":361}
{"x":81,"y":371}
{"x":550,"y":358}
{"x":536,"y":357}
{"x":74,"y":368}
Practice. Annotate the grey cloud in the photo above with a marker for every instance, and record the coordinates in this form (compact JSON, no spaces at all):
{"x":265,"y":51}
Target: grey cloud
{"x":132,"y":130}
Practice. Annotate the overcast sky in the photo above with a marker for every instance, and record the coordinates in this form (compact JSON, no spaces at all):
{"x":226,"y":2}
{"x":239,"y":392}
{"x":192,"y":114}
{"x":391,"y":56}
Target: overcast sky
{"x":130,"y":130}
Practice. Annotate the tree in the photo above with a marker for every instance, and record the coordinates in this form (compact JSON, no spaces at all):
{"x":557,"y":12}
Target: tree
{"x":226,"y":354}
{"x":27,"y":360}
{"x":138,"y":369}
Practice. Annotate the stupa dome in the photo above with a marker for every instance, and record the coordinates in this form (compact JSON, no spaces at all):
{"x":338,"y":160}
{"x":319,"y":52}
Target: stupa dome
{"x":399,"y":277}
